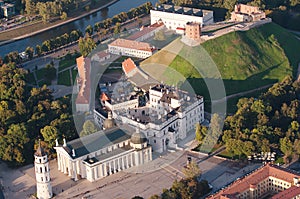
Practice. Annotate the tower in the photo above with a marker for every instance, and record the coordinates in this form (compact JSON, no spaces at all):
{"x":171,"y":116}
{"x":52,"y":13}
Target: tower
{"x":42,"y":174}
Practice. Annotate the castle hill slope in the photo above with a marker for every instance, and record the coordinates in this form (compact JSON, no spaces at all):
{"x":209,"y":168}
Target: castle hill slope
{"x":244,"y":60}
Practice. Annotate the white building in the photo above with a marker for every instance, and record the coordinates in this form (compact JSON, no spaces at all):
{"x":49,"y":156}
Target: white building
{"x":166,"y":117}
{"x":131,"y":48}
{"x":176,"y":17}
{"x":42,"y":174}
{"x":103,"y":153}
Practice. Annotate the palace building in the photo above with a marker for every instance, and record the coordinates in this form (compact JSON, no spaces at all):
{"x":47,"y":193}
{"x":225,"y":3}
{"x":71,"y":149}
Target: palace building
{"x":269,"y":181}
{"x":163,"y":113}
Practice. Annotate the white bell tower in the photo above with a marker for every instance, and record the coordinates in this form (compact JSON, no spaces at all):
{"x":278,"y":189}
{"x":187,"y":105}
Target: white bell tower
{"x":42,"y":174}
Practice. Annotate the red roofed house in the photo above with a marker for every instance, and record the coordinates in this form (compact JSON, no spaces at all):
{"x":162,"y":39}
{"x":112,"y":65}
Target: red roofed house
{"x":131,"y":48}
{"x":269,"y":181}
{"x":129,"y":67}
{"x":83,"y":98}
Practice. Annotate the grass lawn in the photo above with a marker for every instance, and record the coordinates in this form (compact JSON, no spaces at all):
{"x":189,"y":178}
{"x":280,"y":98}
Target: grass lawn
{"x":67,"y":61}
{"x":64,"y":78}
{"x":226,"y":154}
{"x":40,"y":74}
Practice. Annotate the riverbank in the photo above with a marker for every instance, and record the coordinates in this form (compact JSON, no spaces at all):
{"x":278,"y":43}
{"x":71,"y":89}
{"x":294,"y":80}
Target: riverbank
{"x":59,"y":24}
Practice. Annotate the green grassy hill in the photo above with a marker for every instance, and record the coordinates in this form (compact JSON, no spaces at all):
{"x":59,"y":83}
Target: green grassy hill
{"x":243,"y":60}
{"x":240,"y":55}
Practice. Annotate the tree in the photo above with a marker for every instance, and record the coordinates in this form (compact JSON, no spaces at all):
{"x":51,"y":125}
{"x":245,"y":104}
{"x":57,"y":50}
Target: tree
{"x":286,"y":146}
{"x":30,"y":7}
{"x":201,"y":132}
{"x":44,"y":11}
{"x":89,"y":30}
{"x":86,"y":45}
{"x":29,"y":52}
{"x":117,"y":28}
{"x":192,"y":170}
{"x":88,"y":128}
{"x":64,"y":16}
{"x":50,"y":134}
{"x":38,"y":50}
{"x":12,"y":144}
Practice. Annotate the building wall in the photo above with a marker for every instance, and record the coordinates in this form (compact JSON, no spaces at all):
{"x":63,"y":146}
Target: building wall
{"x":117,"y":50}
{"x":246,"y":9}
{"x":193,"y":31}
{"x":82,"y":107}
{"x":174,"y":20}
{"x":123,"y":105}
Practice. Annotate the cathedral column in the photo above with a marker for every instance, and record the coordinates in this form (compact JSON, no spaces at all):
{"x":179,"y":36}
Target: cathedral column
{"x":58,"y":161}
{"x":74,"y":175}
{"x":101,"y":170}
{"x":123,"y":162}
{"x":65,"y":167}
{"x":109,"y":168}
{"x":105,"y":169}
{"x":114,"y":161}
{"x":127,"y":161}
{"x":70,"y":168}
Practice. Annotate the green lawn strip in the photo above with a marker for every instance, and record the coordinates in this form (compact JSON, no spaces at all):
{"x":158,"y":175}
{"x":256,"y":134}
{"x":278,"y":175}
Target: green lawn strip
{"x":40,"y":74}
{"x":64,"y":78}
{"x":228,"y":155}
{"x":67,"y":61}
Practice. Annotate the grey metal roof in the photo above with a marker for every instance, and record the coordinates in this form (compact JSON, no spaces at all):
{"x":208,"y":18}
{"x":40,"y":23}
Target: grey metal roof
{"x":97,"y":141}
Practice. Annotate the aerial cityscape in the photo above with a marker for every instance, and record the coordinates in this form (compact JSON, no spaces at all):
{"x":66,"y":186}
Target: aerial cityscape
{"x":150,"y":99}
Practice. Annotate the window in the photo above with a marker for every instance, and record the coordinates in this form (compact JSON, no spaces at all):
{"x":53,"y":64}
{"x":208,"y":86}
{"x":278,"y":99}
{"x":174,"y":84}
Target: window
{"x":154,"y":141}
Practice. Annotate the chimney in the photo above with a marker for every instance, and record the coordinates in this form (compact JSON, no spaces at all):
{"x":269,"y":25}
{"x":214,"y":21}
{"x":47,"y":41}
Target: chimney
{"x":73,"y":153}
{"x":56,"y":142}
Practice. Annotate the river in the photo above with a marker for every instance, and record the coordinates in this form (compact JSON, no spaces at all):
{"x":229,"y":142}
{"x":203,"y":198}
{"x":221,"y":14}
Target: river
{"x":116,"y":8}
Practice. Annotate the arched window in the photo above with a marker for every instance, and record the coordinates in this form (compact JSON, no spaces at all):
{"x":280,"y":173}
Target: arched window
{"x":41,"y":170}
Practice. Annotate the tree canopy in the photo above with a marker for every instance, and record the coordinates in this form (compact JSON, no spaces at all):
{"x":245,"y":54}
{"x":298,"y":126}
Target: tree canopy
{"x":27,"y":114}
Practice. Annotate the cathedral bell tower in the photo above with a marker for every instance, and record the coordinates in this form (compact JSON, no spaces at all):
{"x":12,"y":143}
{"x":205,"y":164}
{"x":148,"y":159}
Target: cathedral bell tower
{"x":42,"y":174}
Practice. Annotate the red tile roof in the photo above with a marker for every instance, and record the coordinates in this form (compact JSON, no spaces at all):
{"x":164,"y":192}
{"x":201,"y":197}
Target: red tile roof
{"x":255,"y":178}
{"x":125,"y":43}
{"x":84,"y":67}
{"x":104,"y":97}
{"x":288,"y":193}
{"x":144,"y":31}
{"x":128,"y":65}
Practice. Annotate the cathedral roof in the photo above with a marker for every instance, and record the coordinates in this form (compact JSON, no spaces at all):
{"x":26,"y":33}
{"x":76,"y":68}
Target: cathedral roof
{"x":138,"y":138}
{"x":96,"y":141}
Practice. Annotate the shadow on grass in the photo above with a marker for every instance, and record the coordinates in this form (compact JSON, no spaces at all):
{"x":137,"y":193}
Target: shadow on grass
{"x":232,"y":86}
